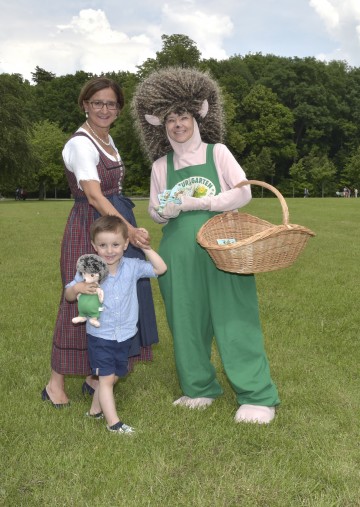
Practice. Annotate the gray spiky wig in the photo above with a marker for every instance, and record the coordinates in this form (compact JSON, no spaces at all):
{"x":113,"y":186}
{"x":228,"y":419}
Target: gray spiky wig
{"x":91,"y":263}
{"x":175,"y":90}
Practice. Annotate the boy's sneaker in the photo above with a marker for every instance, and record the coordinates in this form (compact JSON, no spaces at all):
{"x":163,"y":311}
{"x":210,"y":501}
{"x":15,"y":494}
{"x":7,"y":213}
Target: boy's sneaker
{"x":120,"y":427}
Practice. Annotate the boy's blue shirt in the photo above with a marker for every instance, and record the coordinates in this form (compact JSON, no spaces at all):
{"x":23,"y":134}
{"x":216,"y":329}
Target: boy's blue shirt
{"x":118,"y":320}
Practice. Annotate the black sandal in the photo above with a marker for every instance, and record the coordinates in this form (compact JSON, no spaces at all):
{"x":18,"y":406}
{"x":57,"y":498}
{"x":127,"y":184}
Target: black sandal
{"x":46,"y":397}
{"x":87,"y":389}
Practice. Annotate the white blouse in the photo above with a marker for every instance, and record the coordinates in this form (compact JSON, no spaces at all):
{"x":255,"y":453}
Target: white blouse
{"x":81,"y":157}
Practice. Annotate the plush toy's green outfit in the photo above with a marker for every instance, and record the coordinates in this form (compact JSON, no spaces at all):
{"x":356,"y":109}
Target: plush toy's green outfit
{"x":89,"y":305}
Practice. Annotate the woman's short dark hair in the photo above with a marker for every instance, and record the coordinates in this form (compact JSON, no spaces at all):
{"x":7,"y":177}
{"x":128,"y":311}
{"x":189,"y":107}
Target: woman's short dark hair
{"x":95,"y":85}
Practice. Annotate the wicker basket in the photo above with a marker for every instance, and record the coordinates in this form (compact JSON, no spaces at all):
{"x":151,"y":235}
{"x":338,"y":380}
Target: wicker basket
{"x":259,"y":245}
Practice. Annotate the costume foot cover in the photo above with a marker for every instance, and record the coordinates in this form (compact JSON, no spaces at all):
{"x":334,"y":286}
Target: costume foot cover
{"x":255,"y":414}
{"x":194,"y":402}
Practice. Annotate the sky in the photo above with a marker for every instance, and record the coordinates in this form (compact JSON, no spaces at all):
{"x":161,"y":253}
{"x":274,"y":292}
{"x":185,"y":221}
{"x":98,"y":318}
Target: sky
{"x":64,"y":36}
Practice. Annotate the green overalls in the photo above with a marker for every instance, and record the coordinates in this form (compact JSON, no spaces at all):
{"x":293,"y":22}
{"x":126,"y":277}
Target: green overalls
{"x":202,"y":302}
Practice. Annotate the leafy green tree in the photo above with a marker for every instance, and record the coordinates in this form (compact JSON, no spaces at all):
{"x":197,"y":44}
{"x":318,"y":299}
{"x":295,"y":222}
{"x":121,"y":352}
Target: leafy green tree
{"x":322,"y":172}
{"x":260,"y":167}
{"x":324,"y":98}
{"x":299,"y":177}
{"x":266,"y":123}
{"x":56,"y":100}
{"x":232,"y":74}
{"x":42,"y":76}
{"x":15,"y":153}
{"x":137,"y":175}
{"x":352,"y":170}
{"x":47,"y":141}
{"x":315,"y":105}
{"x":350,"y":134}
{"x":177,"y":50}
{"x":180,"y":48}
{"x":278,"y":111}
{"x":233,"y":135}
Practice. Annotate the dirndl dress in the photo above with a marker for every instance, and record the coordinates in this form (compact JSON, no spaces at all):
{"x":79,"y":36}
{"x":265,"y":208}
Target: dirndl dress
{"x":69,"y":349}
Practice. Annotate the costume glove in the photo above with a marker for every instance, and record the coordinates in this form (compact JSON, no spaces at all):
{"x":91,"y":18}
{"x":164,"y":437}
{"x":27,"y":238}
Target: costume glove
{"x":194,"y":203}
{"x":170,"y":210}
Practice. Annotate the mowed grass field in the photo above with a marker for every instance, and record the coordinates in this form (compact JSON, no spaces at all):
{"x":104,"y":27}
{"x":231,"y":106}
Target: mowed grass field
{"x":309,"y":455}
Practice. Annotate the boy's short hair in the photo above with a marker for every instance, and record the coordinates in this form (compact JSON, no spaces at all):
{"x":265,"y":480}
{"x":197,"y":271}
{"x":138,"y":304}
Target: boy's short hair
{"x":108,"y":223}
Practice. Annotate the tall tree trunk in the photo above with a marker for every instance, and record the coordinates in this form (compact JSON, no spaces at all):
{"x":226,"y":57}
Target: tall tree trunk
{"x":42,"y":191}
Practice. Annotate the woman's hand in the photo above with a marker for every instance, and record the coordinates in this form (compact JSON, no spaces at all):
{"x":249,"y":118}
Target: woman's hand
{"x":139,"y":237}
{"x":170,"y":210}
{"x":194,"y":203}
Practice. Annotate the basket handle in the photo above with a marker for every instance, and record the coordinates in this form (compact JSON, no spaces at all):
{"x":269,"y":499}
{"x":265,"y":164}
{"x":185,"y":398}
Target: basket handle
{"x":285,"y":210}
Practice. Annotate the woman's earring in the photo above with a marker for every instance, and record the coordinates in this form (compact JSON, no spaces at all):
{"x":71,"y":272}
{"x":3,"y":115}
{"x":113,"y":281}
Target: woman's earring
{"x":86,"y":114}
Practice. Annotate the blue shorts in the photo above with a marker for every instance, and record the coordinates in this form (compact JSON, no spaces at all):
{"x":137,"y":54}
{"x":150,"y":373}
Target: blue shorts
{"x":108,"y":357}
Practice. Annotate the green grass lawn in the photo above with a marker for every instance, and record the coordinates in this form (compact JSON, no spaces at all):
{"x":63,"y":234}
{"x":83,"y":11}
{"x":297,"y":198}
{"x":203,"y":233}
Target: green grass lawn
{"x":310,"y":454}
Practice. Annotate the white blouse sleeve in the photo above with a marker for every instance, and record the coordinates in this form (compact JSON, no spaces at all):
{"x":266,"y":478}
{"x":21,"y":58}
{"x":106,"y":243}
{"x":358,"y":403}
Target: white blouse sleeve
{"x":81,"y":158}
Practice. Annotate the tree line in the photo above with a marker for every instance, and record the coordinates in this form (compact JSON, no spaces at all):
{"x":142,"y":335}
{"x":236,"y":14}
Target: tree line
{"x":293,"y":122}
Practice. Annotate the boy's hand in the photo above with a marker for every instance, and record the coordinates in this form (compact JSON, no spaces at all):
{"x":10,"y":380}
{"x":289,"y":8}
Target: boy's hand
{"x":86,"y":288}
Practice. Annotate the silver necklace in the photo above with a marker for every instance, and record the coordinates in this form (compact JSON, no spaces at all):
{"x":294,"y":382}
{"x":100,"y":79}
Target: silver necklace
{"x":98,"y":137}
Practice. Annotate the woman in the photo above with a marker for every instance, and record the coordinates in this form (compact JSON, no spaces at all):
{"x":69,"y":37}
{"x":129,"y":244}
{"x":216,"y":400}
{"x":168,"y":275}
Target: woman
{"x":180,"y":117}
{"x":95,"y":175}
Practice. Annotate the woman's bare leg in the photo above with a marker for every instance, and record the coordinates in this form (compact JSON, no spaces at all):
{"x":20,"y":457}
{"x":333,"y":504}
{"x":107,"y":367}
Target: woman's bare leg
{"x":56,"y":388}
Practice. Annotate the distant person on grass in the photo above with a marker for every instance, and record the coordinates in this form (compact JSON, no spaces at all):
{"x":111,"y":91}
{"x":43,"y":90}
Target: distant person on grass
{"x":109,"y":344}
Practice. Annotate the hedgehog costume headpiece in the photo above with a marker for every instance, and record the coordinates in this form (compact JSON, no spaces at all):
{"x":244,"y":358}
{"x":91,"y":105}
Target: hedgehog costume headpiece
{"x":176,"y":90}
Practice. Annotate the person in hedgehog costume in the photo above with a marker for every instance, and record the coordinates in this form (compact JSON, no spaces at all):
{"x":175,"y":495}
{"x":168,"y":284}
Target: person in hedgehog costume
{"x":179,"y":116}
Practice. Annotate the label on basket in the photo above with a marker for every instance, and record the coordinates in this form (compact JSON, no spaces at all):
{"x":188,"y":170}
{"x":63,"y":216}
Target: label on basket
{"x":226,"y":241}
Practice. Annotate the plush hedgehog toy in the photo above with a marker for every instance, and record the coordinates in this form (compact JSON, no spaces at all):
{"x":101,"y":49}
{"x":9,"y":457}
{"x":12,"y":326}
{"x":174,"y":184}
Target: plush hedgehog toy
{"x":93,"y":269}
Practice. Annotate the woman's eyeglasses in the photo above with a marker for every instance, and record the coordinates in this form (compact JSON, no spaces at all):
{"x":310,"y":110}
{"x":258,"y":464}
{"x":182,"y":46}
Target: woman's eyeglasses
{"x":99,"y":104}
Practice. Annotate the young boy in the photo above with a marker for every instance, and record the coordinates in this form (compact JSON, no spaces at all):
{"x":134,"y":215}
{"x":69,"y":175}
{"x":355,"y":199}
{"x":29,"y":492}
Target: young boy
{"x":109,"y":344}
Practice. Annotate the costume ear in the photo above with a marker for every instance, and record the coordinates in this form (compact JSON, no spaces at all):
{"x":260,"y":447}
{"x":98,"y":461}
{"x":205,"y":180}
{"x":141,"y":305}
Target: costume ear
{"x":204,"y":109}
{"x":153,"y":120}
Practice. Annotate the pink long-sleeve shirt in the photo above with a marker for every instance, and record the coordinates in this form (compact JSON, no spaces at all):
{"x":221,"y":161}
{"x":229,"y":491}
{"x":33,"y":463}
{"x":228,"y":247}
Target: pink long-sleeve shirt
{"x":193,"y":152}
